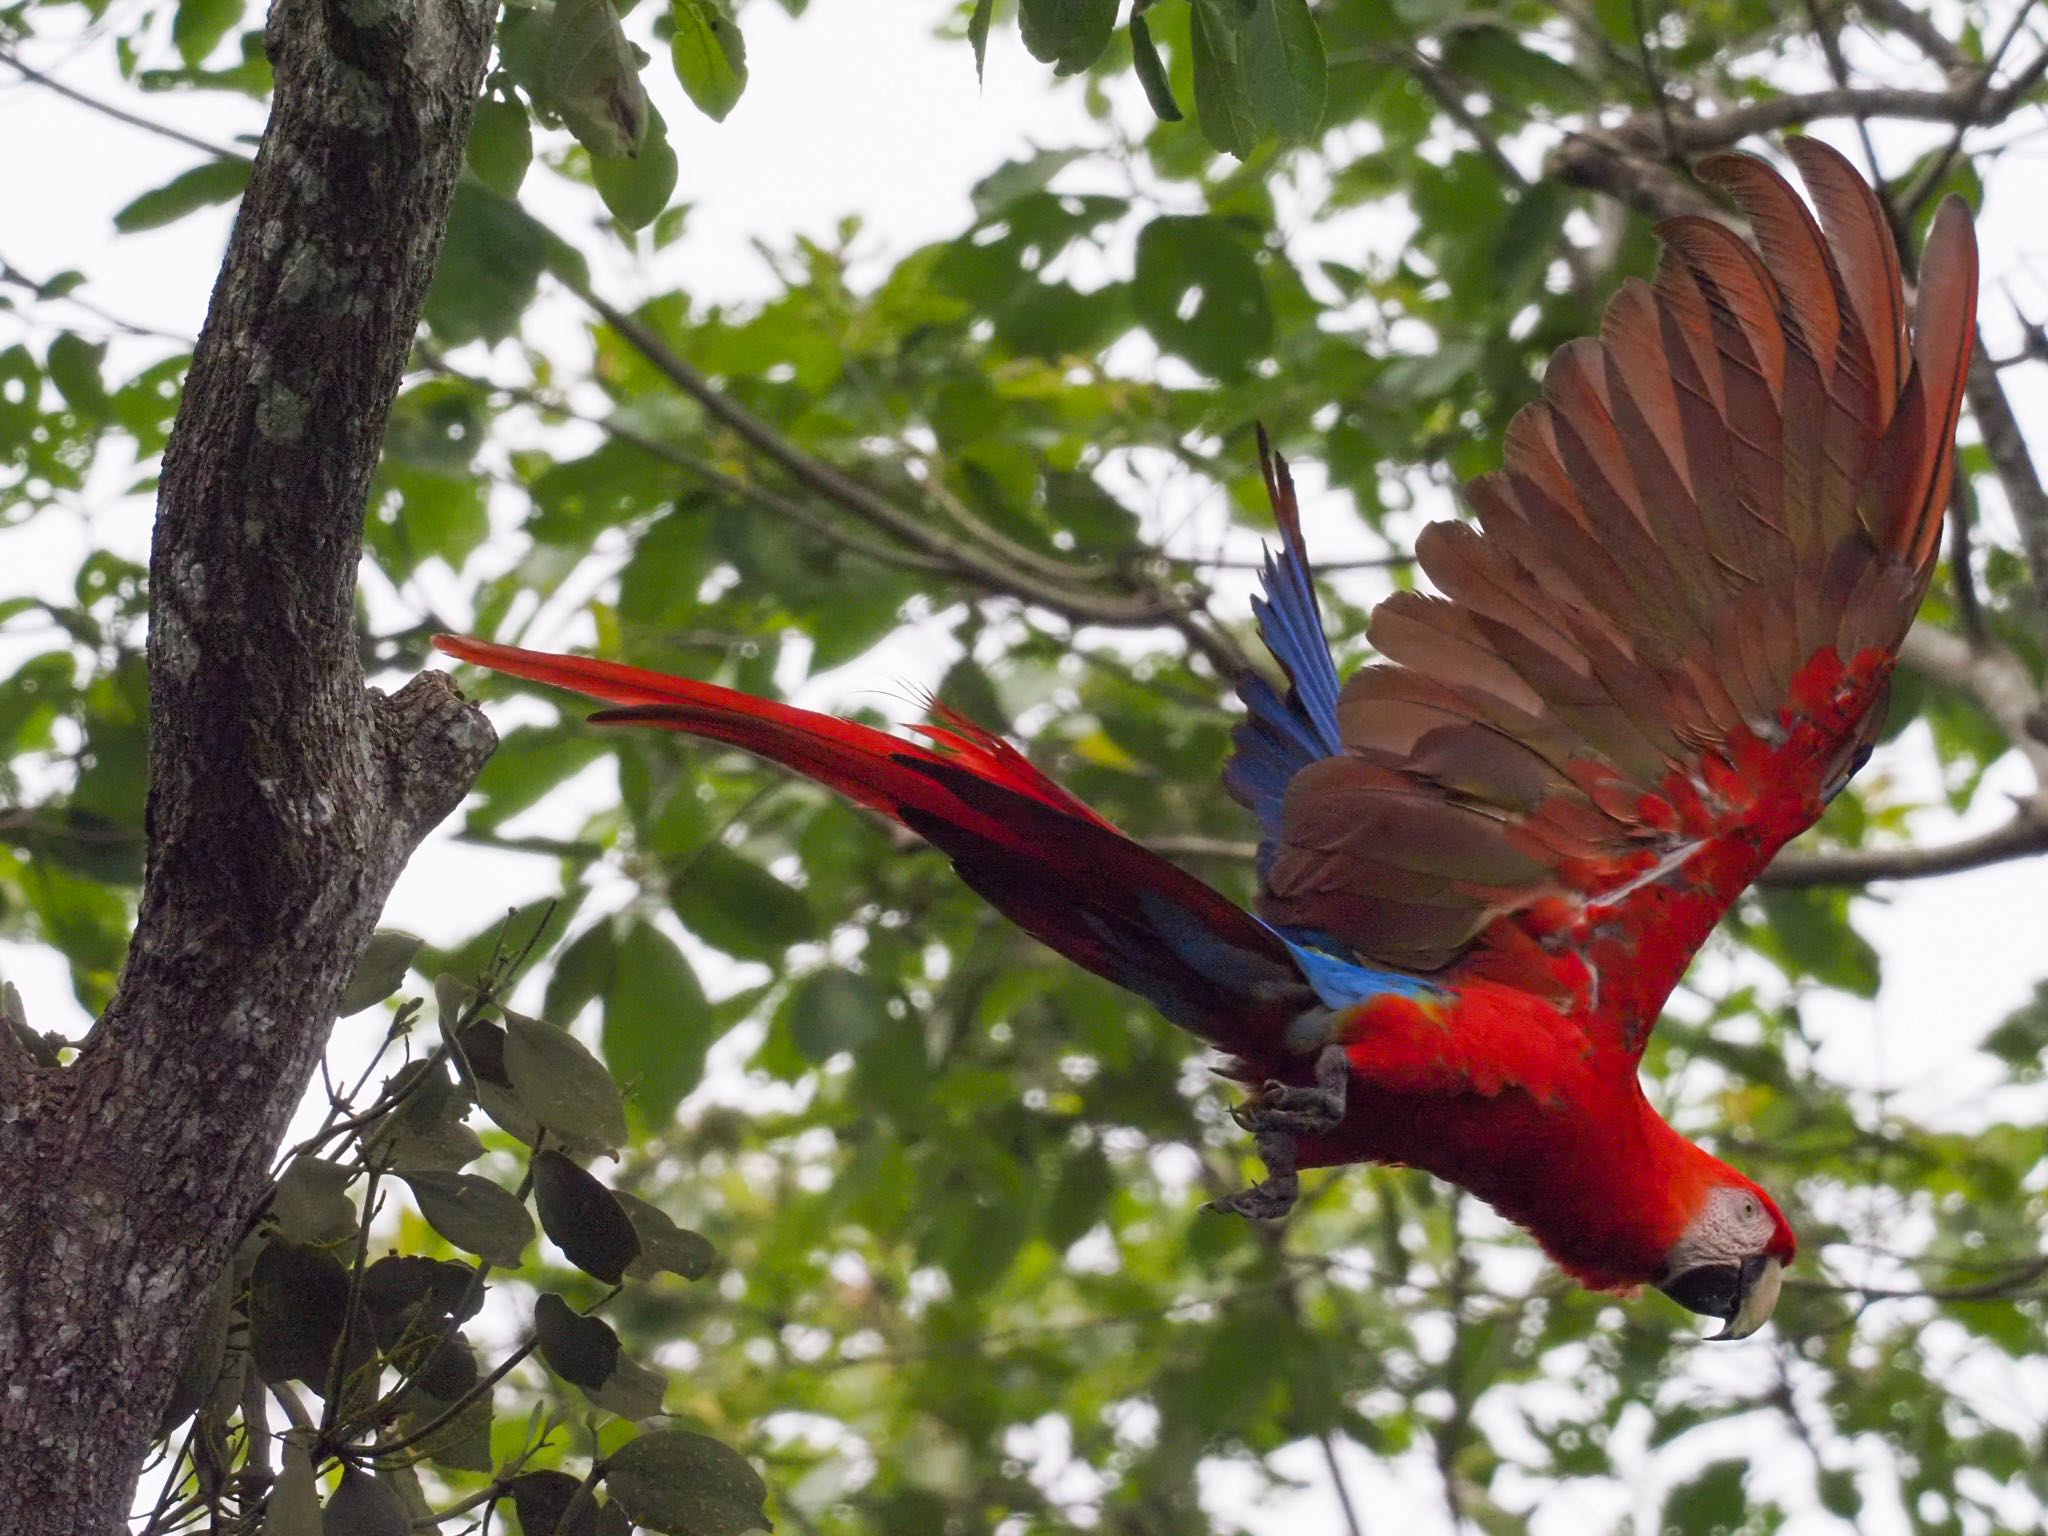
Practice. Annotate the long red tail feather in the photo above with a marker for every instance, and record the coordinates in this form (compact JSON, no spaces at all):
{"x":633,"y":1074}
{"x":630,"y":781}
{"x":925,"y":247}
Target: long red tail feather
{"x":1040,"y":856}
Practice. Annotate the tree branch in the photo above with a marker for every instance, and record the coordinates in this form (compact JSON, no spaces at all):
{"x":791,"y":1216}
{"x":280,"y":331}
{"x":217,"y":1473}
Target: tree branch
{"x":1625,"y":159}
{"x":285,"y":796}
{"x":1148,"y":605}
{"x":2012,"y":463}
{"x":118,"y":114}
{"x":1923,"y":34}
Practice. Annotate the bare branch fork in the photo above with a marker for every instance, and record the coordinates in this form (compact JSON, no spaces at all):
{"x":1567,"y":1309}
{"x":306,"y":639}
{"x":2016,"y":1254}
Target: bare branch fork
{"x":285,"y":796}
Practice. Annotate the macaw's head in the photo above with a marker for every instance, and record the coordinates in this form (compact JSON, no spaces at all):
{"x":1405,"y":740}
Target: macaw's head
{"x":1730,"y":1259}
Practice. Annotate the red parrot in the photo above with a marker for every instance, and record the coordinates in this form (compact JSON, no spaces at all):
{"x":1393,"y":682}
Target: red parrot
{"x":1489,"y":857}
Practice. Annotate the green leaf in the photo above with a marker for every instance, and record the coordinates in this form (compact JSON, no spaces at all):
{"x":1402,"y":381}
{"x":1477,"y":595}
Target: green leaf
{"x":663,"y":1244}
{"x":461,"y":1443}
{"x":542,"y":1498}
{"x":1280,"y":54}
{"x":204,"y":186}
{"x":74,"y":367}
{"x":297,"y":1299}
{"x":581,"y":1350}
{"x":1809,"y":934}
{"x":685,"y":1484}
{"x":380,"y":970}
{"x":728,"y":900}
{"x":427,"y":1129}
{"x":565,"y":1088}
{"x":1067,"y":34}
{"x":365,"y":1505}
{"x":501,"y":144}
{"x":579,"y":1214}
{"x":407,"y":1295}
{"x":657,"y":1024}
{"x":977,"y":34}
{"x":1223,"y":103}
{"x":709,"y":54}
{"x":200,"y":25}
{"x":492,"y":258}
{"x":1016,"y":180}
{"x":583,"y":970}
{"x":591,"y":77}
{"x":1198,"y":291}
{"x":1151,"y":72}
{"x":531,"y":761}
{"x":2021,"y":1040}
{"x":311,"y":1206}
{"x":475,"y":1214}
{"x":1710,"y":1503}
{"x":637,"y":188}
{"x":632,"y":1391}
{"x":483,"y":1050}
{"x":293,"y":1508}
{"x":833,"y":1011}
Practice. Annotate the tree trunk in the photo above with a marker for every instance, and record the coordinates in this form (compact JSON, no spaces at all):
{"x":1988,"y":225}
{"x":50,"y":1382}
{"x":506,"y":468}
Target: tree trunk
{"x":285,"y":795}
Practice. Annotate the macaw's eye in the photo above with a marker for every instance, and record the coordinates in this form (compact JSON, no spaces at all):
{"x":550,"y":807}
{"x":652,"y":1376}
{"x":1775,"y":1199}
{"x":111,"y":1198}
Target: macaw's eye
{"x":1748,"y":1209}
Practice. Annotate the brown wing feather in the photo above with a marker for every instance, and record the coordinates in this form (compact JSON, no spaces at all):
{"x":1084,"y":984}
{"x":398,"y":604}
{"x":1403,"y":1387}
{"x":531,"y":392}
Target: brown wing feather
{"x":1659,"y":651}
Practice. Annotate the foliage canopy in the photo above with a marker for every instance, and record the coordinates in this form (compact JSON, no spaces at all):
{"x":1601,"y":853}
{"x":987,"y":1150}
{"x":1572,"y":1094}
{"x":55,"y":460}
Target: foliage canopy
{"x":961,"y":1280}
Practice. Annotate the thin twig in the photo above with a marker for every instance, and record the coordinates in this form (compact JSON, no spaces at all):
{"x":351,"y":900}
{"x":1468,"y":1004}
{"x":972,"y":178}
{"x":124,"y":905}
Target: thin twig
{"x":1338,"y":1485}
{"x":1962,"y":518}
{"x":1653,"y":82}
{"x":1923,"y":33}
{"x":1076,"y":600}
{"x":2011,"y":461}
{"x":1440,"y":90}
{"x":118,"y":114}
{"x":1978,"y":93}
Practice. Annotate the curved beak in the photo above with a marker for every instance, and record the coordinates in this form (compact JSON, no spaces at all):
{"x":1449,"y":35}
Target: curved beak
{"x":1742,"y":1295}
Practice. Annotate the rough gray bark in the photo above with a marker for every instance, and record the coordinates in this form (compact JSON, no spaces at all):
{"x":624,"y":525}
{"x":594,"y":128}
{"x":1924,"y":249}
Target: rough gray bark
{"x":285,"y":795}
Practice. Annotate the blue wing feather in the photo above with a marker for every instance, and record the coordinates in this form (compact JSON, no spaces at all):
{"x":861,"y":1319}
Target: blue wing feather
{"x":1283,"y":733}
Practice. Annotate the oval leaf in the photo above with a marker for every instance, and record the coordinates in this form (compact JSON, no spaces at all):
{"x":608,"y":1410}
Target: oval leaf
{"x":473,"y":1213}
{"x":542,"y":1498}
{"x":297,"y":1300}
{"x":583,"y":1218}
{"x":565,"y":1088}
{"x":311,"y":1206}
{"x":593,"y":79}
{"x":663,"y":1244}
{"x":685,"y":1484}
{"x":632,"y":1391}
{"x":709,"y":54}
{"x":365,"y":1506}
{"x":380,"y":971}
{"x":579,"y":1349}
{"x":294,"y":1505}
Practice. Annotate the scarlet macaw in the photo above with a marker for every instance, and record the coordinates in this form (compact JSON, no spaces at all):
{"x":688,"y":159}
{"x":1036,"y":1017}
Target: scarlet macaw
{"x":1489,"y":858}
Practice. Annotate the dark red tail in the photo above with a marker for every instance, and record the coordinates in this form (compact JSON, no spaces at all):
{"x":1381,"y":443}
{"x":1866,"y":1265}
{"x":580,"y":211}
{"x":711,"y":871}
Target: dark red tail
{"x":1041,"y":857}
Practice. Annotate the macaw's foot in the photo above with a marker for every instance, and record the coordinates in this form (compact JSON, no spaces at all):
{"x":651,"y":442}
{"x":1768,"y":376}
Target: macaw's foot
{"x":1309,"y":1111}
{"x":1273,"y":1196}
{"x":1276,"y":1116}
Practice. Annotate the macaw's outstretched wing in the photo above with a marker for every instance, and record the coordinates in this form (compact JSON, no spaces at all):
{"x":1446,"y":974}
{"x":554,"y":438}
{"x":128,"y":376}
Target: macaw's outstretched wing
{"x":1040,"y":856}
{"x":1667,"y":643}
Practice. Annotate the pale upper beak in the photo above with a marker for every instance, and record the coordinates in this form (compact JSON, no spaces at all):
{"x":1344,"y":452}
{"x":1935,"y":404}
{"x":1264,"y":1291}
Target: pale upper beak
{"x":1742,"y":1295}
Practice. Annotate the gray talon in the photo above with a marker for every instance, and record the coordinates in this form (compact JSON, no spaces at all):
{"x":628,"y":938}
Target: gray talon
{"x":1275,"y":1115}
{"x":1301,"y":1111}
{"x":1273,"y":1196}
